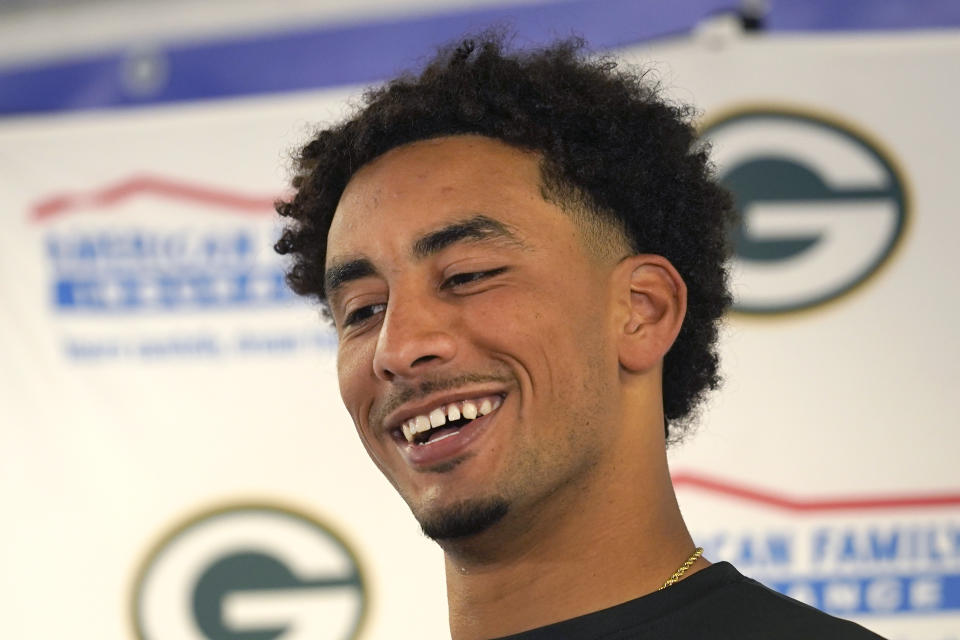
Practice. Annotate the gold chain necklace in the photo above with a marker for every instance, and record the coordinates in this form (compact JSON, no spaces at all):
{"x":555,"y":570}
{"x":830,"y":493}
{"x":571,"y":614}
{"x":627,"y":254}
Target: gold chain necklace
{"x":675,"y":578}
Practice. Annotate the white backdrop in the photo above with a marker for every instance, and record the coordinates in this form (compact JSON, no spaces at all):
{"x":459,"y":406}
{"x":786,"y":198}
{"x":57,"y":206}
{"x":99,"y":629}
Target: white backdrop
{"x":176,"y":462}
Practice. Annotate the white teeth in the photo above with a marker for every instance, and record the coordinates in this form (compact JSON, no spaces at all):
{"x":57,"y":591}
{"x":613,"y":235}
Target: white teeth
{"x":453,"y":413}
{"x":467,"y":409}
{"x":423,"y":424}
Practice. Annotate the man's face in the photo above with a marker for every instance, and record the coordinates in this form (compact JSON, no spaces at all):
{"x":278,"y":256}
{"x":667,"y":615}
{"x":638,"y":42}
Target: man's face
{"x":476,"y":347}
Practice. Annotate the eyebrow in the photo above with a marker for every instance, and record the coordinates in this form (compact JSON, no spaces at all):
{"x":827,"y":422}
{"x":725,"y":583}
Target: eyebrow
{"x":340,"y":273}
{"x":476,"y":228}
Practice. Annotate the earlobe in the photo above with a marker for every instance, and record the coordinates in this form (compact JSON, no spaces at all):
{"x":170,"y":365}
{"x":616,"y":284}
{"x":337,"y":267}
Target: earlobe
{"x":657,"y":303}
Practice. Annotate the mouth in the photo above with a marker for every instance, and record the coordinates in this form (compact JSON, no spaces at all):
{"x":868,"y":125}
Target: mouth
{"x":445,"y":420}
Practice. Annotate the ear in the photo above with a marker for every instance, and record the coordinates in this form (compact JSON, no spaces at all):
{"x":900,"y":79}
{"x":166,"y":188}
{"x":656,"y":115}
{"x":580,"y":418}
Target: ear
{"x":656,"y":300}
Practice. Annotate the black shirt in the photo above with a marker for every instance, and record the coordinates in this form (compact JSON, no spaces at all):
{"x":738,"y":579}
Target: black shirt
{"x":717,"y":603}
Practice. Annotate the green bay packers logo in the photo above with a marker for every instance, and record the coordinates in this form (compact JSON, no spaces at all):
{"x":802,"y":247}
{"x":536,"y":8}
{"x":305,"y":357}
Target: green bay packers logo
{"x":250,"y":572}
{"x":821,"y":207}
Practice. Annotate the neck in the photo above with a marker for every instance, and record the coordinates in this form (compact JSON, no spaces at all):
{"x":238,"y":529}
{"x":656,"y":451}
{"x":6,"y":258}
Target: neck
{"x":614,"y":537}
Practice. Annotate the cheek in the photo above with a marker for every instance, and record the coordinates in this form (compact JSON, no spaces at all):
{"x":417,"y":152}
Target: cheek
{"x":532,"y":332}
{"x":353,"y":374}
{"x":356,"y":390}
{"x":568,"y":330}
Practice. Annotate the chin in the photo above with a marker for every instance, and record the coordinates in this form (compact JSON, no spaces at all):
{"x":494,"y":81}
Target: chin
{"x":463,"y":519}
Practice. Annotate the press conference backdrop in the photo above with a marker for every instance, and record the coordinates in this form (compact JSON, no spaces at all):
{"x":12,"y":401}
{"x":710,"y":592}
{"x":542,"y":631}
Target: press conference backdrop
{"x":175,"y":461}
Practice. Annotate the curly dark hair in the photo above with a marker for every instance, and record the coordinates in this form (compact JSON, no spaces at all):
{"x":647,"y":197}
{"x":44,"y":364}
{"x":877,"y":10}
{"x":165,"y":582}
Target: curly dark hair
{"x":605,"y":137}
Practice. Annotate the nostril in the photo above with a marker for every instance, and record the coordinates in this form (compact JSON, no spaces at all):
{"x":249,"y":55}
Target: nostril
{"x":423,"y":360}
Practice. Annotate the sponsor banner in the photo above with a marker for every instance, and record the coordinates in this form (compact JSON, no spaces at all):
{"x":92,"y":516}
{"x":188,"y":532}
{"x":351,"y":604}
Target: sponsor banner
{"x":171,"y":252}
{"x":880,"y":559}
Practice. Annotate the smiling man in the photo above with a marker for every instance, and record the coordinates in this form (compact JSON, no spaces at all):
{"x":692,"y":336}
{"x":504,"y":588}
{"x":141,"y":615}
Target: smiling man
{"x":524,"y":259}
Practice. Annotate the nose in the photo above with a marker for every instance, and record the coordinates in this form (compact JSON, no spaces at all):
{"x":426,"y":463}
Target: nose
{"x":415,"y":338}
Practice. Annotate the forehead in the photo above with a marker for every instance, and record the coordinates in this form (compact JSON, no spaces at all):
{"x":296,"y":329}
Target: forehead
{"x":412,"y":189}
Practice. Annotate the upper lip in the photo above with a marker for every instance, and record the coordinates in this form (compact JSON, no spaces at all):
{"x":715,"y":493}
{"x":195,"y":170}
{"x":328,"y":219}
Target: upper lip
{"x":404,"y":412}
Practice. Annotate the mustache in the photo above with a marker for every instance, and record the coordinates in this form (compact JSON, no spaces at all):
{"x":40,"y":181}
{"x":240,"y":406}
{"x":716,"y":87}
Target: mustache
{"x":401,"y":394}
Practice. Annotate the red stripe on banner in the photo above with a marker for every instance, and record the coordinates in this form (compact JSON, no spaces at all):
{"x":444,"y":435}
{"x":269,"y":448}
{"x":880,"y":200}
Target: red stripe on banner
{"x":137,"y":185}
{"x":767,"y":498}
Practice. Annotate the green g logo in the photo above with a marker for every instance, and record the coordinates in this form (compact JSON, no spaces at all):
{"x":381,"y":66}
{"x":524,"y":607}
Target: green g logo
{"x":250,"y":572}
{"x":822,"y":208}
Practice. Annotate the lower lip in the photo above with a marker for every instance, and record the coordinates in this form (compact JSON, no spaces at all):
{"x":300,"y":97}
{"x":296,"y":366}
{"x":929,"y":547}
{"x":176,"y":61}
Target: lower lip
{"x":443,"y":450}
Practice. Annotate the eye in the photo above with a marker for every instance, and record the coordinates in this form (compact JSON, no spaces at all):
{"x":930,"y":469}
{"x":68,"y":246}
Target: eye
{"x":461,"y":279}
{"x":362,"y":314}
